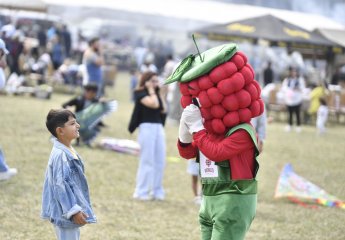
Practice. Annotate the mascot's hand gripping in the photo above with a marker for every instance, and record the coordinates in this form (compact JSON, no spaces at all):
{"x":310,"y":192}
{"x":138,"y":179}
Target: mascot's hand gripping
{"x":191,"y":117}
{"x":183,"y":133}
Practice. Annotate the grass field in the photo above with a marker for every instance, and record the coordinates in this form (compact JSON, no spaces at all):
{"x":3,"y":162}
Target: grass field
{"x":111,"y":177}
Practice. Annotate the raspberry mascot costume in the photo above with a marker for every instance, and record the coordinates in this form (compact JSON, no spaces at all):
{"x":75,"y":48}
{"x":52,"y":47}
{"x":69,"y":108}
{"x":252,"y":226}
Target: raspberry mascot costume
{"x":219,"y":97}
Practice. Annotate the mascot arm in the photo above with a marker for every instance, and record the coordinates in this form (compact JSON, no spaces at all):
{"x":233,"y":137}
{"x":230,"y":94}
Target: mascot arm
{"x":187,"y":150}
{"x":220,"y":150}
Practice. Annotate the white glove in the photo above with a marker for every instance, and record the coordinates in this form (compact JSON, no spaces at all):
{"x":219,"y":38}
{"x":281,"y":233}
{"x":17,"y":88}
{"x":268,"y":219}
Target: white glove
{"x":192,"y":117}
{"x":183,"y":133}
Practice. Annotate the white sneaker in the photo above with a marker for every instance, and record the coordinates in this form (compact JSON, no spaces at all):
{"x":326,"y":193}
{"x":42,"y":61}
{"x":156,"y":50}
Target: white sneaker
{"x":159,"y":198}
{"x":142,"y":198}
{"x":298,"y":129}
{"x":8,"y":174}
{"x":288,"y":128}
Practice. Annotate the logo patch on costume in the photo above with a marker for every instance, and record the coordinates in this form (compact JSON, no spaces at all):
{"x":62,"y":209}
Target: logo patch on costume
{"x":208,"y":168}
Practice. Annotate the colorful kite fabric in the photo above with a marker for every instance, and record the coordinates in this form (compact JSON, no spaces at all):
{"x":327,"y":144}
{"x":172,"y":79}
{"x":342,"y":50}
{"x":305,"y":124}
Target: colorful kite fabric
{"x":295,"y":187}
{"x":120,"y":145}
{"x":90,"y":117}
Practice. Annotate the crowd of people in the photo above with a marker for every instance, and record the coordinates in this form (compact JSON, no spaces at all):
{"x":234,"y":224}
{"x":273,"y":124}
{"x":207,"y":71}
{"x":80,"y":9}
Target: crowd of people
{"x":50,"y":54}
{"x":303,"y":100}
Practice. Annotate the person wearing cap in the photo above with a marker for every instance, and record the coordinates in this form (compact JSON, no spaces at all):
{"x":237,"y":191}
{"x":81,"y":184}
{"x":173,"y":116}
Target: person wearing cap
{"x":219,"y":97}
{"x":5,"y":171}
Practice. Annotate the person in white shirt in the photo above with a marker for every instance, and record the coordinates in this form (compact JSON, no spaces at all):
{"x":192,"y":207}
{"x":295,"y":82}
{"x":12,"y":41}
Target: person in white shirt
{"x":292,"y":88}
{"x":322,"y":116}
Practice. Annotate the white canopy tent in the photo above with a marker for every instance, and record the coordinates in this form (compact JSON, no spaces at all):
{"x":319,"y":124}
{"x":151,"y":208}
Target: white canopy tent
{"x":205,"y":12}
{"x":32,"y":5}
{"x":335,"y":35}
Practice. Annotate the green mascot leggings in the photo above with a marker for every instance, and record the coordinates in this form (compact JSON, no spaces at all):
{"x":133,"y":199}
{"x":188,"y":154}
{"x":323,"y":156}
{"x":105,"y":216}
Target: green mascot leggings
{"x":226,"y":216}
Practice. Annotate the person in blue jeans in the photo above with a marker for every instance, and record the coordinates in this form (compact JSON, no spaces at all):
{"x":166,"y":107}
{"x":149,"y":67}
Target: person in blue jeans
{"x":5,"y":171}
{"x":66,"y":200}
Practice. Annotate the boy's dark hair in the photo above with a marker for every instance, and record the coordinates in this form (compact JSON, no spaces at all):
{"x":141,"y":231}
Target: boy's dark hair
{"x":57,"y":118}
{"x":91,"y":87}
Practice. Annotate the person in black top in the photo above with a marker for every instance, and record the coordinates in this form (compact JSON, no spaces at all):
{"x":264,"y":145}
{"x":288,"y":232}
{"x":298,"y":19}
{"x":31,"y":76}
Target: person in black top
{"x":268,"y":74}
{"x":83,"y":101}
{"x":337,"y":77}
{"x":149,"y":115}
{"x":86,"y":99}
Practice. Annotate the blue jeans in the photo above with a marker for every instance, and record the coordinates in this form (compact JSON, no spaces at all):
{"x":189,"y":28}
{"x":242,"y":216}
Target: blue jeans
{"x":151,"y":161}
{"x":3,"y":165}
{"x":67,"y":233}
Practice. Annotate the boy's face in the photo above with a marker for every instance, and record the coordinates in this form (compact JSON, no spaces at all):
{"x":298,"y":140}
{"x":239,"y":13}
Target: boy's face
{"x":70,"y":130}
{"x":89,"y":94}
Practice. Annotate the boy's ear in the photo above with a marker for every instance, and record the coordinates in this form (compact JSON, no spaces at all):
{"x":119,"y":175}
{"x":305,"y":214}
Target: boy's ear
{"x":59,"y":131}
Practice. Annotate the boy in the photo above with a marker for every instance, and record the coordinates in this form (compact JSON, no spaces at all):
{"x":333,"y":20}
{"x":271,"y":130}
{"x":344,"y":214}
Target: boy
{"x":82,"y":102}
{"x":66,"y":202}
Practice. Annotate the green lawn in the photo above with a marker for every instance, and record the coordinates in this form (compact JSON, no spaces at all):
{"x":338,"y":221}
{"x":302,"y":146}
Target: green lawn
{"x":25,"y":142}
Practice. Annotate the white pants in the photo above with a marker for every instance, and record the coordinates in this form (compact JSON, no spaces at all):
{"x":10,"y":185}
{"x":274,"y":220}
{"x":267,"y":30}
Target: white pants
{"x":151,"y":161}
{"x":320,"y":124}
{"x":67,"y":233}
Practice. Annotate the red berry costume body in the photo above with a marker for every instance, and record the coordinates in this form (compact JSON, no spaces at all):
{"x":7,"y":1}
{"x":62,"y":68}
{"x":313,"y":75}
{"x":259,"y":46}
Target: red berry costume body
{"x":224,"y":142}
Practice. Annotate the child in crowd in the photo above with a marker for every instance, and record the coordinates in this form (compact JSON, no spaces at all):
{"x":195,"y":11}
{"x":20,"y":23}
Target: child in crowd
{"x":85,"y":100}
{"x":322,"y":115}
{"x":193,"y":170}
{"x":81,"y":102}
{"x":66,"y":201}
